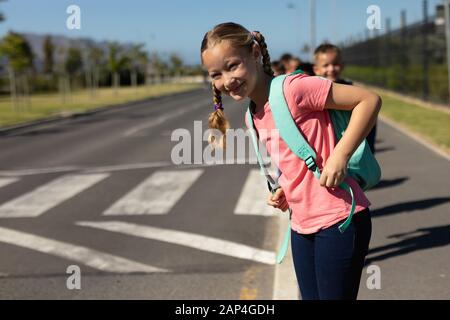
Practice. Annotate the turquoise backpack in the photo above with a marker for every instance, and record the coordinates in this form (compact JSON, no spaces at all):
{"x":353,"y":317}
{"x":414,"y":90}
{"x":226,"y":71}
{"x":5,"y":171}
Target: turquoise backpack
{"x":362,"y":166}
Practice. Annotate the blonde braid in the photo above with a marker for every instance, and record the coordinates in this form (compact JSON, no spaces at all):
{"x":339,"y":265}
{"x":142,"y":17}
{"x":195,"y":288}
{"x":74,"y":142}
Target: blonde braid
{"x":265,"y":53}
{"x":218,"y":120}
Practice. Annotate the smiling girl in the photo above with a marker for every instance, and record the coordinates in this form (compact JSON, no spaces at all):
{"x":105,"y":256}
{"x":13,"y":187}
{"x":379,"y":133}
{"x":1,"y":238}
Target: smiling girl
{"x":328,"y":264}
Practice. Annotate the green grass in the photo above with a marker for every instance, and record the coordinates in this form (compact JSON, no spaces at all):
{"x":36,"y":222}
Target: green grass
{"x":46,"y":105}
{"x":431,"y":124}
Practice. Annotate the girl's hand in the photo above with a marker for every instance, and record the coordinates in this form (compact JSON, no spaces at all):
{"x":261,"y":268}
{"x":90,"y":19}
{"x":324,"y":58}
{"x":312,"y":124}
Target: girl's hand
{"x":335,"y":170}
{"x":278,"y":200}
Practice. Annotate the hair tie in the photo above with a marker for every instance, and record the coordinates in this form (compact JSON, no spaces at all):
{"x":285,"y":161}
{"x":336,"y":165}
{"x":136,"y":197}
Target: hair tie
{"x":253,"y":34}
{"x":218,"y":106}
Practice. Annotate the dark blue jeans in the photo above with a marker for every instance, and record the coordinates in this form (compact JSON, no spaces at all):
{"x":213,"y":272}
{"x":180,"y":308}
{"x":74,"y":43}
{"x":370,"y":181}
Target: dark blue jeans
{"x":328,"y":264}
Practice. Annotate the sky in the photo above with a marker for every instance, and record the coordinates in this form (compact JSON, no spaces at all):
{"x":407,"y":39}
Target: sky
{"x":177,"y":26}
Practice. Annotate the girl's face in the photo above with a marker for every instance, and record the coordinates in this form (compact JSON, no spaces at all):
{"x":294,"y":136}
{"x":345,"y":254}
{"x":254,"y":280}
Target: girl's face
{"x":233,"y":71}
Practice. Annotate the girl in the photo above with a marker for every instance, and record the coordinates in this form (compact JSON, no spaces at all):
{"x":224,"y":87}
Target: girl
{"x":328,"y":264}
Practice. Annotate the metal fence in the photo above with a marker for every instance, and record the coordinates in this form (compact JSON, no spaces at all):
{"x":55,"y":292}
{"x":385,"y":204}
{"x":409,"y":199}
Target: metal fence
{"x":410,"y":60}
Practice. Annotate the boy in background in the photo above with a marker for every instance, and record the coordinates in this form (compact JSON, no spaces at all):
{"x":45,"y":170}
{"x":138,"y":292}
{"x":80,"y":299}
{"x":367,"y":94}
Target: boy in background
{"x":328,"y":64}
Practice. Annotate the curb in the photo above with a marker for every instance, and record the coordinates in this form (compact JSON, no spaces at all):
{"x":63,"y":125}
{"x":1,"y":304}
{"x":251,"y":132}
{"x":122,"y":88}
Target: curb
{"x":285,"y":282}
{"x":72,"y":115}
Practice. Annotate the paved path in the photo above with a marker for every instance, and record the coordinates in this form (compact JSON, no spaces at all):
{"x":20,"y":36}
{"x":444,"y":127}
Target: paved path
{"x":101,"y":192}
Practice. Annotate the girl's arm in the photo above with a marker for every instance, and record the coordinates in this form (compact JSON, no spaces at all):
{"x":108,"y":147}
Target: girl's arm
{"x":365,"y":106}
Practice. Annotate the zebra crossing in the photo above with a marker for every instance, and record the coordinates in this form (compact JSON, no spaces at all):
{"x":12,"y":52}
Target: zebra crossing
{"x":6,"y":181}
{"x":156,"y":194}
{"x":43,"y":198}
{"x":89,"y":257}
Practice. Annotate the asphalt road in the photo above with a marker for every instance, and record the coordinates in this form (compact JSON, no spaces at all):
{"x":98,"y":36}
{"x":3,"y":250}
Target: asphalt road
{"x":101,"y":192}
{"x":58,"y":176}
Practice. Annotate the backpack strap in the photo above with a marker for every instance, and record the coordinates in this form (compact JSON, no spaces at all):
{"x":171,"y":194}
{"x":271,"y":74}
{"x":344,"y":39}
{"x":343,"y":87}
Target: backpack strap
{"x":273,"y":185}
{"x":287,"y":127}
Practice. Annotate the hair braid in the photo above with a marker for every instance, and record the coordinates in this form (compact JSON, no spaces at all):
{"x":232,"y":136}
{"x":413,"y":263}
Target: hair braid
{"x":217,"y":97}
{"x":265,"y":53}
{"x":217,"y":120}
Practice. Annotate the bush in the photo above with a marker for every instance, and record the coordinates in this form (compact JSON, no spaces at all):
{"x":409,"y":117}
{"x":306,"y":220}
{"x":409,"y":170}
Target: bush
{"x":408,"y":81}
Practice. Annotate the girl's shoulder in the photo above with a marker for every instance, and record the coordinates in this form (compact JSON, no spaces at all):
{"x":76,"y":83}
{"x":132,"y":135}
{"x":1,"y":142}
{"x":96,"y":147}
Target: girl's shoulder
{"x":307,"y":91}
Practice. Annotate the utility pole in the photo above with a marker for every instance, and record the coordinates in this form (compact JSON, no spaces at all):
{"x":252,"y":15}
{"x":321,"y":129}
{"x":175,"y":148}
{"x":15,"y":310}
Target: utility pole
{"x":447,"y":37}
{"x":312,"y":28}
{"x":403,"y":49}
{"x":425,"y":51}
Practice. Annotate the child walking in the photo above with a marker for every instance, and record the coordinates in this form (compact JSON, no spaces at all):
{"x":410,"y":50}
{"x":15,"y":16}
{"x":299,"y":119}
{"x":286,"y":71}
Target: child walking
{"x":328,"y":264}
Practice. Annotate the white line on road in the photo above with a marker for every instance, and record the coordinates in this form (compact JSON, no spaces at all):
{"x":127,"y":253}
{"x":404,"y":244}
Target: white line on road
{"x":186,"y":239}
{"x":128,"y":166}
{"x":92,"y":258}
{"x":31,"y":171}
{"x":43,"y":198}
{"x":107,"y":168}
{"x":6,"y":181}
{"x":157,"y":194}
{"x":161,"y":119}
{"x":252,"y":200}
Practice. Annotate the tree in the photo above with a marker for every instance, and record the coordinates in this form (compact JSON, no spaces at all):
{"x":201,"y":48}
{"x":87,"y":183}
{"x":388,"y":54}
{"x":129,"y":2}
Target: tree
{"x":176,"y":64}
{"x":158,"y":65}
{"x":20,"y":60}
{"x":48,"y":49}
{"x":117,"y":61}
{"x":96,"y":59}
{"x":139,"y":59}
{"x":2,"y":16}
{"x":74,"y":62}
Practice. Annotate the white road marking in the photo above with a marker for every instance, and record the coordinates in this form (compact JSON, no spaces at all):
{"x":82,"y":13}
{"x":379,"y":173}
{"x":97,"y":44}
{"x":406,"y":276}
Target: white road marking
{"x":161,"y":119}
{"x":31,"y":171}
{"x":186,"y":239}
{"x":110,"y":168}
{"x":252,"y":200}
{"x":128,"y":166}
{"x":6,"y":181}
{"x":43,"y":198}
{"x":157,"y":194}
{"x":92,"y":258}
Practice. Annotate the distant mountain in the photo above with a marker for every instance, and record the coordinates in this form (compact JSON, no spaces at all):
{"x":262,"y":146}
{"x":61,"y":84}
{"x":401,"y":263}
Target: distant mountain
{"x":61,"y":44}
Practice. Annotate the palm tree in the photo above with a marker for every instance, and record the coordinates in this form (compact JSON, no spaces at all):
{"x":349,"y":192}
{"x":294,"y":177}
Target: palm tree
{"x":20,"y":60}
{"x":117,"y":61}
{"x":60,"y":67}
{"x":176,"y":64}
{"x":48,"y":49}
{"x":96,"y":59}
{"x":139,"y":60}
{"x":73,"y":64}
{"x":159,"y":66}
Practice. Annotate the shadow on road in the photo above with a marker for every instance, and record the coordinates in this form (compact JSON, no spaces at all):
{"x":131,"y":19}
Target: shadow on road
{"x":427,"y":238}
{"x":385,"y":149}
{"x":390,"y":183}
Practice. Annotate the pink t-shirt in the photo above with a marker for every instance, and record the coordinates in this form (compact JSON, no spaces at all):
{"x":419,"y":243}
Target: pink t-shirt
{"x":313,"y":207}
